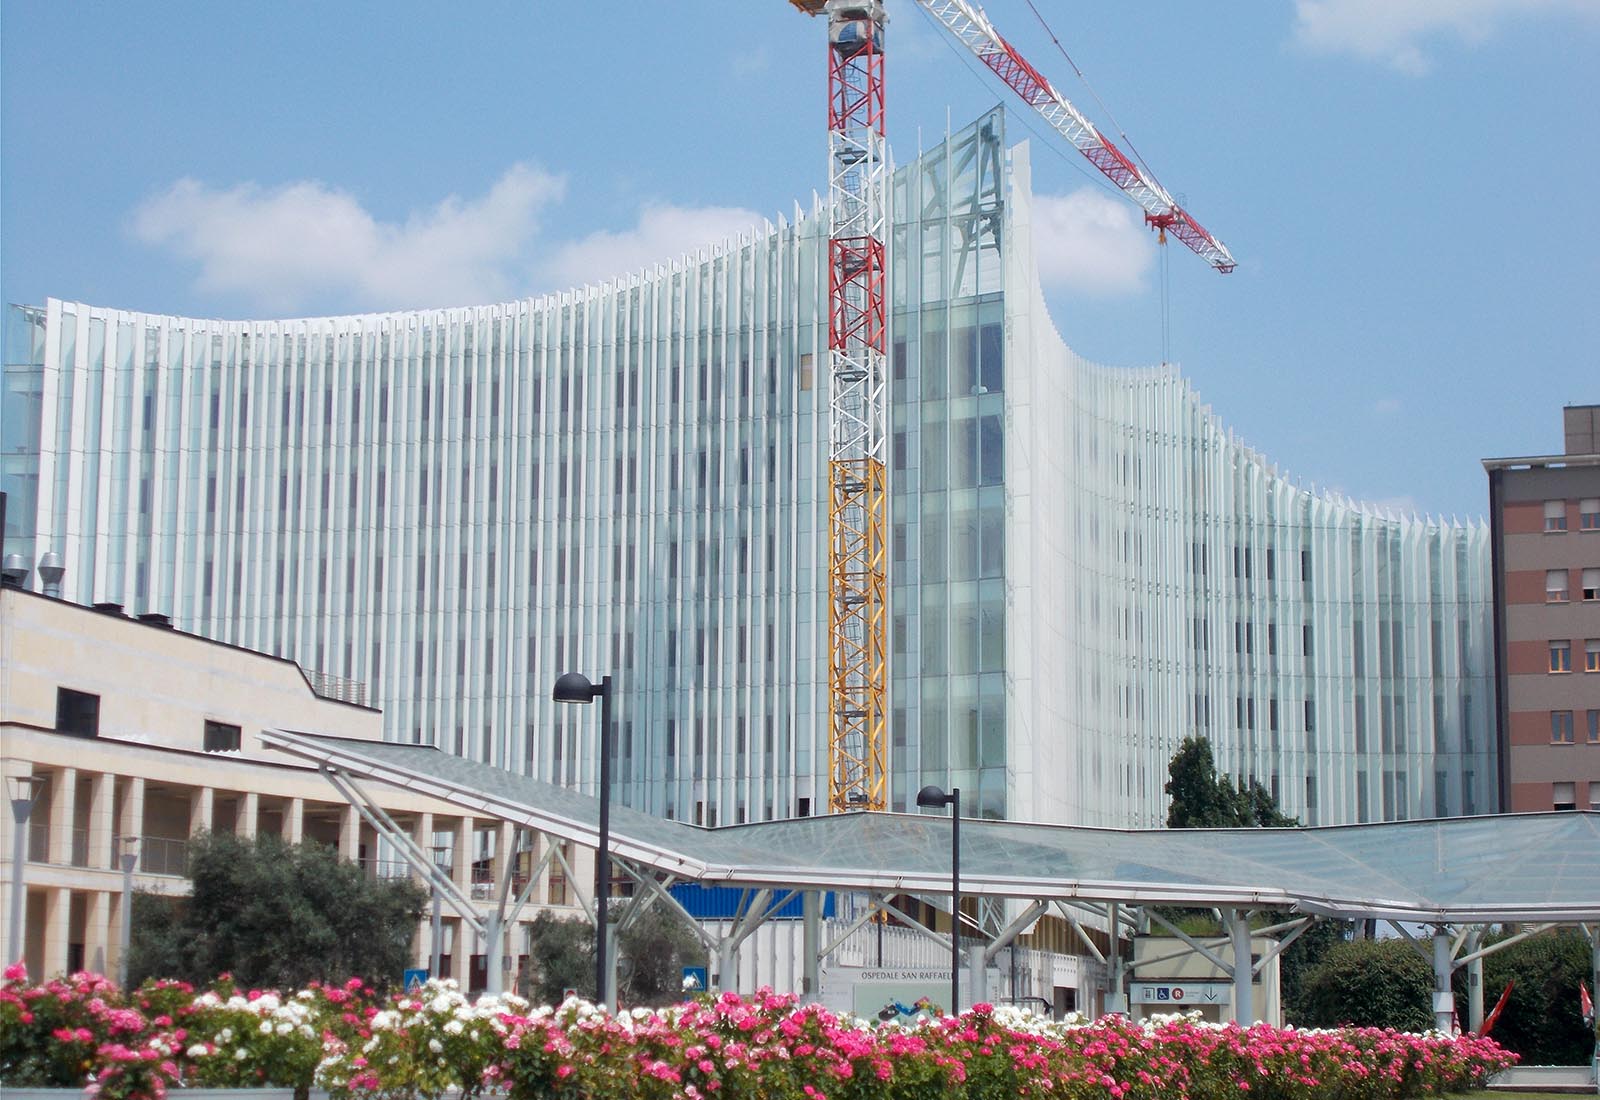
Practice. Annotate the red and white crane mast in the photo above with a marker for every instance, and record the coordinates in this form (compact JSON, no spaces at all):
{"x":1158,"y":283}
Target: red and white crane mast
{"x":858,"y":399}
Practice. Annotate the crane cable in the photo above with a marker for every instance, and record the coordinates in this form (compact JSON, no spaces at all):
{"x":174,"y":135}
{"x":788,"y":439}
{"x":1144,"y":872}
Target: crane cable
{"x":1166,"y":267}
{"x":1123,"y":134}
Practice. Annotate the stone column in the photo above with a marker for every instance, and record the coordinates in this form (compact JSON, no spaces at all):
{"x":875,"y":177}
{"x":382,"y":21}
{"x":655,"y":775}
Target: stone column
{"x":461,"y":857}
{"x":249,"y":815}
{"x":349,"y":833}
{"x":294,"y":821}
{"x":100,"y":951}
{"x":202,"y":803}
{"x":57,"y":918}
{"x":130,"y":821}
{"x":63,"y":817}
{"x":102,"y":787}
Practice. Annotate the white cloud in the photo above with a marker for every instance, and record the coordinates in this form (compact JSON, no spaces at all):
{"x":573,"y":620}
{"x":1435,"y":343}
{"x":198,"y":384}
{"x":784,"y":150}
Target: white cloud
{"x":1090,"y":242}
{"x":1394,"y":32}
{"x":308,"y":244}
{"x":663,"y":232}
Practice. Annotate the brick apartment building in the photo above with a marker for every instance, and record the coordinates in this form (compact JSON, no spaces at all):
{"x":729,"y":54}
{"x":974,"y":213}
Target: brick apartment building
{"x":1545,"y":529}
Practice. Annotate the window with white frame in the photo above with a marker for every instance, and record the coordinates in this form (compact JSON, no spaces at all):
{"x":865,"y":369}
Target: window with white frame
{"x":1594,"y":795}
{"x":1591,"y":584}
{"x":1555,"y":516}
{"x":1589,"y":514}
{"x":1555,"y":586}
{"x":1563,"y":796}
{"x":1591,"y":655}
{"x":1561,"y":656}
{"x":1561,"y":727}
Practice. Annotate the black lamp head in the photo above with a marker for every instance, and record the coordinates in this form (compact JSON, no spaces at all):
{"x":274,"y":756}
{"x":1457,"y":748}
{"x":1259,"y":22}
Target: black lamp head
{"x":574,"y":687}
{"x":931,"y":797}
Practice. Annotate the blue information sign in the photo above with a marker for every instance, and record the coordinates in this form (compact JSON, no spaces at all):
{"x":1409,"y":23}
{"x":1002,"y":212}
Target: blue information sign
{"x":415,"y":978}
{"x":695,"y":979}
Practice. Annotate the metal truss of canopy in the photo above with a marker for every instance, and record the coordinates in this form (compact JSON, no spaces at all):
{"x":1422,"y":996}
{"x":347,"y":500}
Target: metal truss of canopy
{"x":1532,"y":868}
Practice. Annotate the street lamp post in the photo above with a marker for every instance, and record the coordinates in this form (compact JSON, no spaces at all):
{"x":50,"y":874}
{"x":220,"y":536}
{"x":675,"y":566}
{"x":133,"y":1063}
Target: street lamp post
{"x":25,"y":790}
{"x":931,"y":797}
{"x":129,"y":859}
{"x":575,"y":687}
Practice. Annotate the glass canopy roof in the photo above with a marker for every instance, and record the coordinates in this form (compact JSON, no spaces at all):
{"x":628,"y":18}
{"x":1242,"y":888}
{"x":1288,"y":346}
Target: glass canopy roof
{"x":1506,"y":867}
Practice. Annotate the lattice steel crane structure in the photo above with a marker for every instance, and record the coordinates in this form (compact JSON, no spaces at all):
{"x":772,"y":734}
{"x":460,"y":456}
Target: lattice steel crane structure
{"x":858,"y":319}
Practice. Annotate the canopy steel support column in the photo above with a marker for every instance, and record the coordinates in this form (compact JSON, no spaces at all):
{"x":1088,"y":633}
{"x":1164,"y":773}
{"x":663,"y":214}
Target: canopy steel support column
{"x":811,"y":945}
{"x":1474,"y":981}
{"x":1444,"y":1009}
{"x":1116,"y":999}
{"x":1244,"y":1011}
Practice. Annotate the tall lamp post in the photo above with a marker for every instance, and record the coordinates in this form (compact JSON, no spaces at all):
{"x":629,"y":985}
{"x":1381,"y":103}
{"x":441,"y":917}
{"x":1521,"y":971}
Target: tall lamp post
{"x":575,"y":687}
{"x":25,"y":791}
{"x":931,"y":797}
{"x":129,"y":858}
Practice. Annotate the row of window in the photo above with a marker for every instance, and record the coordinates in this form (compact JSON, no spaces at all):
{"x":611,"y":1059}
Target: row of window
{"x":78,"y":715}
{"x":1561,"y":727}
{"x":1557,"y":584}
{"x":1561,"y":655}
{"x":1564,"y":796}
{"x":1555,"y":515}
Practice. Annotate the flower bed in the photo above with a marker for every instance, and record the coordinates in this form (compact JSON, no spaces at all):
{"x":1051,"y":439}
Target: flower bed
{"x":357,"y":1046}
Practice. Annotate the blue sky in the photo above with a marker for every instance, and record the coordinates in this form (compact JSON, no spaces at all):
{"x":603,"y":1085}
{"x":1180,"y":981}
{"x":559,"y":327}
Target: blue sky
{"x":1407,"y":184}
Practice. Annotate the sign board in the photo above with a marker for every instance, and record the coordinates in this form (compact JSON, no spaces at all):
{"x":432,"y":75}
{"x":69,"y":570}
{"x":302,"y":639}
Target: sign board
{"x":415,"y":978}
{"x":869,"y":991}
{"x":1178,"y":993}
{"x":695,"y":979}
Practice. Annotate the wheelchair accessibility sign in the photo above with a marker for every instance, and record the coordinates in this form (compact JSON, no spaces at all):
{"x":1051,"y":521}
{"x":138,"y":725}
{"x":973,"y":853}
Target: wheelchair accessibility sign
{"x":1178,"y":994}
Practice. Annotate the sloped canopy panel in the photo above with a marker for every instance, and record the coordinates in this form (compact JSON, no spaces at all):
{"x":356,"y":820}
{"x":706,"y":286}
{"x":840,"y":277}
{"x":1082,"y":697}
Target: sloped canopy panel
{"x":1507,"y":867}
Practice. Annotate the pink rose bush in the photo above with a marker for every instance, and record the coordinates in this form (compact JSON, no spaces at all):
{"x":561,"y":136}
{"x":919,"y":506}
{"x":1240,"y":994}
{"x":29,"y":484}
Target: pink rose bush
{"x":434,"y":1041}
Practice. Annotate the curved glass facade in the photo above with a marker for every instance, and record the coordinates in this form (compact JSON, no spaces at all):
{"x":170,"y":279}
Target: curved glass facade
{"x":453,"y":507}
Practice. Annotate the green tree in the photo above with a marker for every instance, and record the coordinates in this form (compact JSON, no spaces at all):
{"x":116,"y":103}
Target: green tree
{"x":278,"y":915}
{"x":652,"y":951}
{"x":560,"y":957}
{"x":656,"y":948}
{"x":1369,"y":983}
{"x":1202,"y":799}
{"x":1542,"y":1021}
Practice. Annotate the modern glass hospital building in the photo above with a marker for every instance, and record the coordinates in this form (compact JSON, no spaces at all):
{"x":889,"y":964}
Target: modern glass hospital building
{"x":449,"y":508}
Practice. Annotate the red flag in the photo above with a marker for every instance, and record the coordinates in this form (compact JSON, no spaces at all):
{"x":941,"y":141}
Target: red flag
{"x":1499,"y":1006}
{"x":1585,"y":1005}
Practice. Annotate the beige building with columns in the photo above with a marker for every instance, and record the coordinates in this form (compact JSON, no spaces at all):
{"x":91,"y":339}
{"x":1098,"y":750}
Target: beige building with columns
{"x":130,"y":729}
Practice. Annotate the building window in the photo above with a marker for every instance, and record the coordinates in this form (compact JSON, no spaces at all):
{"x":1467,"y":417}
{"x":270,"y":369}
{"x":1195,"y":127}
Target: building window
{"x":1591,"y":584}
{"x":1561,"y":656}
{"x":1594,"y":796}
{"x":221,"y":737}
{"x":1563,"y":796}
{"x":1589,"y":514}
{"x":77,"y":713}
{"x":1594,"y":727}
{"x":1591,"y":655}
{"x":1555,"y":516}
{"x":1555,"y":586}
{"x":1561,"y":727}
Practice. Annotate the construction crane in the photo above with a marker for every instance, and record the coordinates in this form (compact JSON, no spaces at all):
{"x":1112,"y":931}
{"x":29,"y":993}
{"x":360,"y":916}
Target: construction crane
{"x":858,"y":205}
{"x":969,"y":26}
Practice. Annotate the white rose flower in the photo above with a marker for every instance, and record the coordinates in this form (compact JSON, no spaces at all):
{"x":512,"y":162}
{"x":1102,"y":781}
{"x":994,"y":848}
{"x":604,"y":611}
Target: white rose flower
{"x":240,"y":1055}
{"x":285,"y":1028}
{"x":197,"y":1051}
{"x":454,"y":1027}
{"x":266,"y":1027}
{"x":435,"y":1046}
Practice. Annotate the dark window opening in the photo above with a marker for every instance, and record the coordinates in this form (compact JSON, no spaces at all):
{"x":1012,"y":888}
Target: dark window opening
{"x":77,"y":713}
{"x":221,"y":737}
